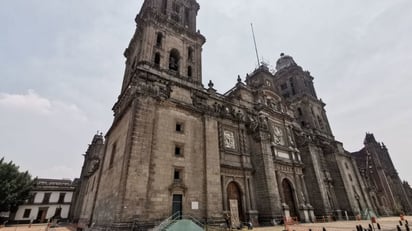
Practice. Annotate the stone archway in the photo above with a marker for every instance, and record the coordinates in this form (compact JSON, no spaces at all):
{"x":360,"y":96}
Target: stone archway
{"x":234,"y":195}
{"x":288,"y":195}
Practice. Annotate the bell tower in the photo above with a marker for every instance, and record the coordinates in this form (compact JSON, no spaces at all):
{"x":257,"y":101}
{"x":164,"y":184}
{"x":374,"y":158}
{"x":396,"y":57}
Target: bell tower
{"x":166,"y":43}
{"x":296,"y":85}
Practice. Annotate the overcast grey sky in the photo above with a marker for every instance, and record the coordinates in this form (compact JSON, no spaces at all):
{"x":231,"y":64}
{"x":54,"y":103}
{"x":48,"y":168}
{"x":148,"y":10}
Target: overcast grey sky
{"x":61,"y":67}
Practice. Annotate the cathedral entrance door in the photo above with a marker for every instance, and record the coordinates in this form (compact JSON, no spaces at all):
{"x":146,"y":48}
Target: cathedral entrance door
{"x":289,"y":198}
{"x":177,"y":205}
{"x":234,"y":198}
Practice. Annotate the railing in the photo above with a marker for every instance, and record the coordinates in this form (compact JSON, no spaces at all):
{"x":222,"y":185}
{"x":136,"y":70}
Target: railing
{"x":196,"y":221}
{"x":164,"y":224}
{"x":175,"y":217}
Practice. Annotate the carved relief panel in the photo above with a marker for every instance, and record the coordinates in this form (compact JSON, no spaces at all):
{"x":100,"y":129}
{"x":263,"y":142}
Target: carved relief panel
{"x":229,"y":139}
{"x":278,"y":136}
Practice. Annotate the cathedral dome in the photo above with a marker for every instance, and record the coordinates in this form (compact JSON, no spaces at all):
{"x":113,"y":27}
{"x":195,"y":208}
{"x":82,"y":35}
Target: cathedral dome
{"x":284,"y":61}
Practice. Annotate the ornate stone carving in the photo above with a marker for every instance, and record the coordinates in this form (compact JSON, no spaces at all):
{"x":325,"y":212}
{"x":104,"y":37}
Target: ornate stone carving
{"x":158,"y":91}
{"x":290,"y":137}
{"x":277,"y":136}
{"x":94,"y":165}
{"x":229,"y":139}
{"x":177,"y":186}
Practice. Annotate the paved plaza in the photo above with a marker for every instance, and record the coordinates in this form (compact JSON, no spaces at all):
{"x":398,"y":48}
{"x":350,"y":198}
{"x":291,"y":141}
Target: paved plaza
{"x":36,"y":228}
{"x":386,"y":224}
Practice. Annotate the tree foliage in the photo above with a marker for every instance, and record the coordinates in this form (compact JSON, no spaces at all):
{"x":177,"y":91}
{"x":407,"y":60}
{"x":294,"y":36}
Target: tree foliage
{"x":15,"y":186}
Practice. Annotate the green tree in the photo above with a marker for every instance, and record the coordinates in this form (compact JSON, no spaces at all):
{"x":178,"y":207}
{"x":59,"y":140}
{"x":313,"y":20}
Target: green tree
{"x":15,"y":186}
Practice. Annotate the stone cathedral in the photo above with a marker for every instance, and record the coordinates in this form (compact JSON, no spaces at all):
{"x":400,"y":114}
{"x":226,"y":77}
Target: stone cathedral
{"x":262,"y":151}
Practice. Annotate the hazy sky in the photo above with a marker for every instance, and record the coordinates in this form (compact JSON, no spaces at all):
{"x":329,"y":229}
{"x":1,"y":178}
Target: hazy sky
{"x":61,"y":67}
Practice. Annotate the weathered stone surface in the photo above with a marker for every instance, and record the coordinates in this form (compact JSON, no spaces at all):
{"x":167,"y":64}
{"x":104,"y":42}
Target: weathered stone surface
{"x":175,"y":146}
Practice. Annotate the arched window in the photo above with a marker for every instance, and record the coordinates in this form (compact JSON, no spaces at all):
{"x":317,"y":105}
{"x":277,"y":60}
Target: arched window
{"x":159,"y":39}
{"x":174,"y":58}
{"x":189,"y":71}
{"x":190,"y":54}
{"x":157,"y":59}
{"x":187,"y":16}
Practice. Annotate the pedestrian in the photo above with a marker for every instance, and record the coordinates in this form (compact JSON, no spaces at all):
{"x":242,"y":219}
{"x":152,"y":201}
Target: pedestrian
{"x":227,"y":219}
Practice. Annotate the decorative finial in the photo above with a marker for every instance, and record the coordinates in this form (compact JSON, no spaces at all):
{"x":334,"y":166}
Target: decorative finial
{"x":282,"y":54}
{"x":210,"y":84}
{"x":239,"y":79}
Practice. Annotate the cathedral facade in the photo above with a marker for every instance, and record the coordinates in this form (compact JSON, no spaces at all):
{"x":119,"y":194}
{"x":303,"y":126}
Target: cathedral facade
{"x":388,"y":193}
{"x":262,"y":151}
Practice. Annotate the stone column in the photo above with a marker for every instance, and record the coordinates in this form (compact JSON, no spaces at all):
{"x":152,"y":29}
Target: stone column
{"x":212,"y":169}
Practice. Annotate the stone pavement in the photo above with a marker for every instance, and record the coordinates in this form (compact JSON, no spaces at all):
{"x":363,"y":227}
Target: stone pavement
{"x":41,"y":227}
{"x":386,"y":223}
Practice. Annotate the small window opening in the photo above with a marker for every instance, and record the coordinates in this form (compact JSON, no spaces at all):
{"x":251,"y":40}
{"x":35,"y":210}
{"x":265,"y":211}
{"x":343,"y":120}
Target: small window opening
{"x":292,"y":86}
{"x":61,"y":197}
{"x":112,"y":155}
{"x":159,"y":39}
{"x":26,"y":213}
{"x":93,"y":183}
{"x":189,"y":71}
{"x":46,"y":198}
{"x":179,"y":127}
{"x":177,"y":175}
{"x":300,"y":111}
{"x":178,"y":151}
{"x":190,"y":54}
{"x":187,"y":16}
{"x":174,"y":60}
{"x":157,"y":59}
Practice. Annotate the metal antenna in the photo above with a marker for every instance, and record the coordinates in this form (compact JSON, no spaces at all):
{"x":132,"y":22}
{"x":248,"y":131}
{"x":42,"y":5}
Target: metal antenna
{"x":254,"y":41}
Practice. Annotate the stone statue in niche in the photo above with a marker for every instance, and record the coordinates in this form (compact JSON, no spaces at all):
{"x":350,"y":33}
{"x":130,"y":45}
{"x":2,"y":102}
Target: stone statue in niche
{"x":239,"y":115}
{"x":290,"y":138}
{"x":229,"y":139}
{"x":278,"y":135}
{"x":263,"y":122}
{"x":94,"y":165}
{"x":303,"y":197}
{"x":252,"y":123}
